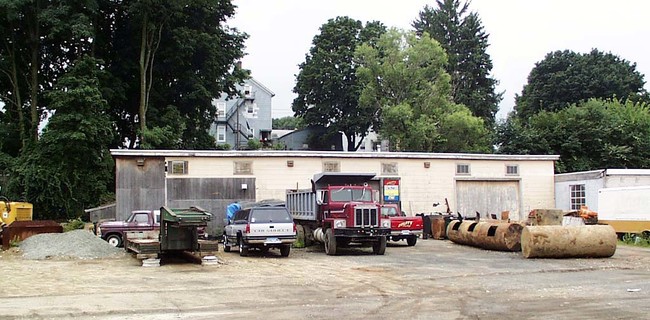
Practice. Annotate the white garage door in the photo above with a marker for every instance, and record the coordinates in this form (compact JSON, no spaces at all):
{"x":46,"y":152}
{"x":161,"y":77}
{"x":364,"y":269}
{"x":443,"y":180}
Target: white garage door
{"x":487,"y":197}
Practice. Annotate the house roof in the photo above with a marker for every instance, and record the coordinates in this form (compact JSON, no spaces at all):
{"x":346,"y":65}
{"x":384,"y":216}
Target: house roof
{"x":600,"y":173}
{"x":261,"y":86}
{"x":326,"y":154}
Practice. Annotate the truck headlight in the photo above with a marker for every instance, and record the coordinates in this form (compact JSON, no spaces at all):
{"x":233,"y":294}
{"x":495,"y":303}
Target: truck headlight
{"x":339,"y":224}
{"x":385,"y":223}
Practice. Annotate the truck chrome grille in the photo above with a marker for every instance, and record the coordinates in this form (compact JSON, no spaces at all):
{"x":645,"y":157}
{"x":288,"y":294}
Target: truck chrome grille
{"x":366,"y":217}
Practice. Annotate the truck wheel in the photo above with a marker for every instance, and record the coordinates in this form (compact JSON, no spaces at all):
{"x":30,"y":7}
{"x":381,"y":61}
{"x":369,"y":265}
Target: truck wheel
{"x":379,"y":247}
{"x":115,"y":240}
{"x":411,"y":241}
{"x":226,"y":245}
{"x":330,"y":242}
{"x":285,"y":250}
{"x":243,"y":249}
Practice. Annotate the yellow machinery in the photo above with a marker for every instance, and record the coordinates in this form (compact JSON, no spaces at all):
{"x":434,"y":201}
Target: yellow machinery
{"x":14,"y":211}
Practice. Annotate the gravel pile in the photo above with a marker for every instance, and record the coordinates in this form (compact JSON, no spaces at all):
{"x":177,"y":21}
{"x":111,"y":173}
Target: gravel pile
{"x":77,"y":244}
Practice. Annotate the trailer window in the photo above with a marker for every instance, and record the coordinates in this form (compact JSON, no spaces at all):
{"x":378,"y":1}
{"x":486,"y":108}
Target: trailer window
{"x":269,"y":216}
{"x":577,"y":196}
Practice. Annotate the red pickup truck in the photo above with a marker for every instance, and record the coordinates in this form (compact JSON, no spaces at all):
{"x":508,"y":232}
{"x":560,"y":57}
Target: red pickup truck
{"x":140,"y":220}
{"x":401,"y":226}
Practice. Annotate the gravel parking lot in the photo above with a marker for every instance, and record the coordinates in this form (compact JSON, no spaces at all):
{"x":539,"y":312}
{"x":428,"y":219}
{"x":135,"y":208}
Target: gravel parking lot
{"x":434,"y":279}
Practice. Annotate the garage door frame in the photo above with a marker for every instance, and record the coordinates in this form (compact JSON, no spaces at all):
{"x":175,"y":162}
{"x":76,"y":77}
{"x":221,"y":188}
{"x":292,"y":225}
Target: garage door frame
{"x":492,"y":179}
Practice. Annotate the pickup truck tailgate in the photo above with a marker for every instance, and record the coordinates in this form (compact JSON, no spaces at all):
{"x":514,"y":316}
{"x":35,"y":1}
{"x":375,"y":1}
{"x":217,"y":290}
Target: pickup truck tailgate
{"x":271,"y":229}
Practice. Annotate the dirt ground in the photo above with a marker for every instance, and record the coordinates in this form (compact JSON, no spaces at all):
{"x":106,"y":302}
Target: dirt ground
{"x":433,"y":280}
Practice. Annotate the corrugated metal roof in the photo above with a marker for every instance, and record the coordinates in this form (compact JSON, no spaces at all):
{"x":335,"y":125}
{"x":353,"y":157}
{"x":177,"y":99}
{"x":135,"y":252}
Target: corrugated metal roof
{"x":326,"y":154}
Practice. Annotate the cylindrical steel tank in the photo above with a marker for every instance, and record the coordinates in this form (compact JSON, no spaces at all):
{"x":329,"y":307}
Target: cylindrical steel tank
{"x":462,"y":232}
{"x":500,"y":236}
{"x":592,"y":241}
{"x":490,"y":235}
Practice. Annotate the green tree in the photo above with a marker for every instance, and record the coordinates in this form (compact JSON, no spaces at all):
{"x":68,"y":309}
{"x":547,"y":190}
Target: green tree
{"x":327,"y":86}
{"x":565,"y":77}
{"x":184,"y":55}
{"x":463,"y":37}
{"x":591,"y":135}
{"x":407,"y":88}
{"x":38,"y":40}
{"x":288,"y":123}
{"x":70,"y":167}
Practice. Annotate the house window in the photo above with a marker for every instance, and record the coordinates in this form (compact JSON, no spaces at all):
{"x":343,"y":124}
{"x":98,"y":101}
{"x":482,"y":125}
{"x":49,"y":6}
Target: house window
{"x":243,"y":167}
{"x":251,"y":110}
{"x":512,"y":170}
{"x":577,"y":196}
{"x":221,"y":133}
{"x":389,"y":168}
{"x":251,"y":132}
{"x":331,"y":166}
{"x":177,"y":167}
{"x":221,"y":109}
{"x":248,"y":91}
{"x":462,"y":169}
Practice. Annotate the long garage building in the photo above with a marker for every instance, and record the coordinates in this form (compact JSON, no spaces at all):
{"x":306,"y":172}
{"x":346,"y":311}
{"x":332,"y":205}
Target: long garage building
{"x":470,"y":183}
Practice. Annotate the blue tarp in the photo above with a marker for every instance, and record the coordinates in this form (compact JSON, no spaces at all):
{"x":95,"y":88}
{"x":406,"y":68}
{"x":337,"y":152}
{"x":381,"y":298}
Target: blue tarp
{"x":231,"y":209}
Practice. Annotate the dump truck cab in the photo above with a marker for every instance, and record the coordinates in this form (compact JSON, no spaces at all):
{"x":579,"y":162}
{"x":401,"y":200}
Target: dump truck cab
{"x":340,"y":209}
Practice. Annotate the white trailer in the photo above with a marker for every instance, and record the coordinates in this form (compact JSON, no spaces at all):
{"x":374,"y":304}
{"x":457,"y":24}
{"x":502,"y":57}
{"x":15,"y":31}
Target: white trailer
{"x":626,"y":209}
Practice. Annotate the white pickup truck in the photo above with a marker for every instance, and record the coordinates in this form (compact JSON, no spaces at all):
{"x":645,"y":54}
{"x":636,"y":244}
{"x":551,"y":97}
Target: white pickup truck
{"x":260,"y":228}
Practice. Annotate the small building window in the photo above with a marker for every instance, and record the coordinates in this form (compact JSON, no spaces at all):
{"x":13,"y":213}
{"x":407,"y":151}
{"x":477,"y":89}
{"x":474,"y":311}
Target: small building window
{"x":177,"y":167}
{"x":248,"y":91}
{"x":331,"y":166}
{"x":577,"y":196}
{"x":462,"y":169}
{"x":243,"y":167}
{"x":389,"y":168}
{"x":221,"y":109}
{"x":221,"y":133}
{"x":512,"y":170}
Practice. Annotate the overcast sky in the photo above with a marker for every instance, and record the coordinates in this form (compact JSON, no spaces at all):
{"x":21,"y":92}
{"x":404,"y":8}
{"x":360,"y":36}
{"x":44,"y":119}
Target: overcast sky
{"x":521,"y":34}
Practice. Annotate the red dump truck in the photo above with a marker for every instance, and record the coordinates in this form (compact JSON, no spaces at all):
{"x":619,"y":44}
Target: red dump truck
{"x":339,"y":210}
{"x":401,"y":226}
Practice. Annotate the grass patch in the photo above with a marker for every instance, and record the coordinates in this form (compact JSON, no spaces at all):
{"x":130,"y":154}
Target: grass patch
{"x":639,"y":240}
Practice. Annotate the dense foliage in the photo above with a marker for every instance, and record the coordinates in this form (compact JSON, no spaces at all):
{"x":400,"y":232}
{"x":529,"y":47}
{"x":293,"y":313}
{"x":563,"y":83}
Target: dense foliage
{"x":463,"y":37}
{"x":108,"y":74}
{"x":589,"y":135}
{"x":327,"y":86}
{"x":564,"y":78}
{"x":288,"y":123}
{"x":407,"y":89}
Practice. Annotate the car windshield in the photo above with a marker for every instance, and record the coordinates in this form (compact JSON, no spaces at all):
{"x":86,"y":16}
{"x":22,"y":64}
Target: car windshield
{"x":346,"y":194}
{"x":388,"y":211}
{"x":270,"y":215}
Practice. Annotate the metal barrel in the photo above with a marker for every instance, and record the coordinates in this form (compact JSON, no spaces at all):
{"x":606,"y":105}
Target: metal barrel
{"x":490,"y":235}
{"x":591,"y":241}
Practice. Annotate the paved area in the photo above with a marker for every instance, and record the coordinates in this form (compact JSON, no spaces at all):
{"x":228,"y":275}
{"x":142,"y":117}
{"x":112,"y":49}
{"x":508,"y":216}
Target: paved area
{"x":433,"y":280}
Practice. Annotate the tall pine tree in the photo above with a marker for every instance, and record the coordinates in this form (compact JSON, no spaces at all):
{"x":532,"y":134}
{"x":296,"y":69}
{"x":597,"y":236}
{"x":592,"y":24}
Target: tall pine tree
{"x":461,"y":34}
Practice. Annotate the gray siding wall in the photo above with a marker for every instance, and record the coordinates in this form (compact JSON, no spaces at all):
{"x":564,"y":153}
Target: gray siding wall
{"x":143,"y":188}
{"x":139,"y":187}
{"x":211,"y":194}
